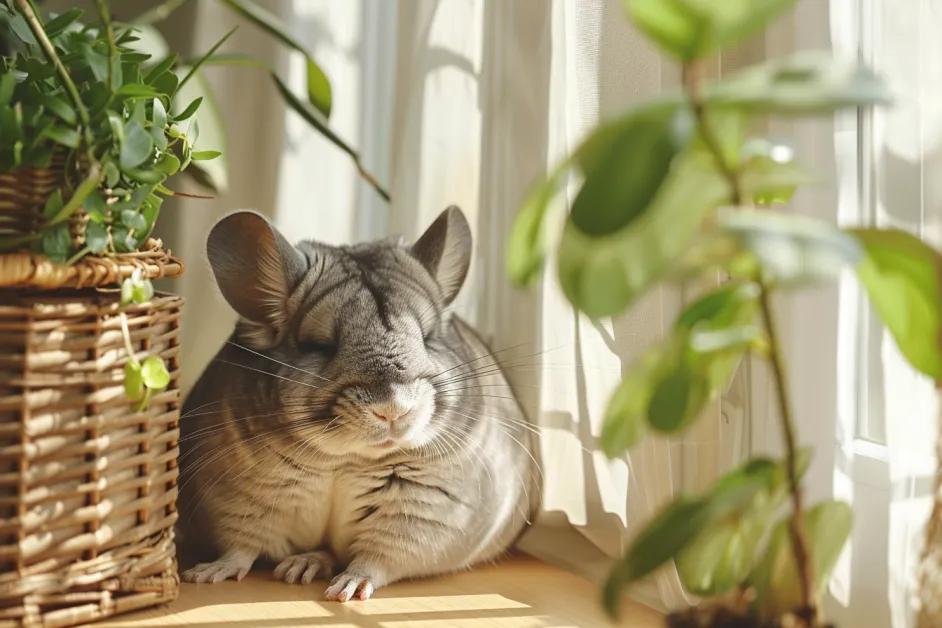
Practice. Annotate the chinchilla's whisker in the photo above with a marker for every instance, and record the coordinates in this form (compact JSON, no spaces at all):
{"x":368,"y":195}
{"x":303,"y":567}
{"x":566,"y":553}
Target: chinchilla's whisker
{"x":287,"y":379}
{"x":290,"y":366}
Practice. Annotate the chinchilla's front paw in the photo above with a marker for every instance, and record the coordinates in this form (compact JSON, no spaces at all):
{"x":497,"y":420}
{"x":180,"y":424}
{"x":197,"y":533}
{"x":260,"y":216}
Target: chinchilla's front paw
{"x":357,"y":582}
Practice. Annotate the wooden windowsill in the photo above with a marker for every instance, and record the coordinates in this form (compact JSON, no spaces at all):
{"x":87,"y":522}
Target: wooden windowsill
{"x":520,"y":592}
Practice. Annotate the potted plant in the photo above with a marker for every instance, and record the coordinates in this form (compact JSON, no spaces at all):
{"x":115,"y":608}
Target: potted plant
{"x":679,"y":190}
{"x":89,"y":403}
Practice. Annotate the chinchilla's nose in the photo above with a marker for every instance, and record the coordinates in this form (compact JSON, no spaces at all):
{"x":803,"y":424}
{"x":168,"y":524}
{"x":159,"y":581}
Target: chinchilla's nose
{"x":390,"y":412}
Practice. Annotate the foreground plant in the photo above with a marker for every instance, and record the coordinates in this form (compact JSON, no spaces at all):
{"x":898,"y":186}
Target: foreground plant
{"x":78,"y":97}
{"x":678,"y":190}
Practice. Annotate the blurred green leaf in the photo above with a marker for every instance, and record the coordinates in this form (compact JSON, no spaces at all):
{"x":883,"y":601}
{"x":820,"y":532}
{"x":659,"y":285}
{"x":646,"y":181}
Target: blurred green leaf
{"x":690,"y":29}
{"x":155,"y":373}
{"x":526,"y":249}
{"x":312,"y":116}
{"x":670,"y":385}
{"x":233,"y":59}
{"x":627,"y":175}
{"x":901,"y":275}
{"x":807,"y":82}
{"x":89,"y":183}
{"x":138,"y":145}
{"x":133,"y":381}
{"x":770,"y":174}
{"x":671,"y":531}
{"x":682,"y":522}
{"x":792,"y":250}
{"x":603,"y":276}
{"x":149,"y":41}
{"x":775,"y":578}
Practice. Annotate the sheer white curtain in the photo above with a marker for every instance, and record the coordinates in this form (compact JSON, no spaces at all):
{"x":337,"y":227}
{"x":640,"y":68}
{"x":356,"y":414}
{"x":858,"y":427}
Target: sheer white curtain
{"x":489,"y":94}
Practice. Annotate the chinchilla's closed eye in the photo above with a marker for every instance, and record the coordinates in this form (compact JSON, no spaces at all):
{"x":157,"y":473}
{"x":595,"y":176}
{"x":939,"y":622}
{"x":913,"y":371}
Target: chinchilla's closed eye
{"x":318,"y":345}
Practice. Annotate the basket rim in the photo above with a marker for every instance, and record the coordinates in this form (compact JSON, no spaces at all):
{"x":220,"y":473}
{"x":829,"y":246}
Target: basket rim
{"x":34,"y":270}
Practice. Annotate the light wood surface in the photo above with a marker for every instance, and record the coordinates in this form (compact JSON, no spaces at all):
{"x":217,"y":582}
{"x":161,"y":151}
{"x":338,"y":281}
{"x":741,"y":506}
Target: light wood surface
{"x":520,"y":592}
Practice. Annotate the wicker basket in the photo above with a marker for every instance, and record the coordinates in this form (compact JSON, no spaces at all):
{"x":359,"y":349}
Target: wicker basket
{"x":23,"y":194}
{"x":88,"y":482}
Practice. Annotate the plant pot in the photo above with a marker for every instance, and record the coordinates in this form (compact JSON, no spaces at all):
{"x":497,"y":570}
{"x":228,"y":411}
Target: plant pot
{"x":88,"y":481}
{"x":23,"y":195}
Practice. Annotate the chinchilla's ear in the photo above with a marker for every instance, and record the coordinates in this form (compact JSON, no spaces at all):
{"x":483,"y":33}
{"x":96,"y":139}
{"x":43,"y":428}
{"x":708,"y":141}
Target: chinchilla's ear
{"x":256,"y":268}
{"x":445,"y":251}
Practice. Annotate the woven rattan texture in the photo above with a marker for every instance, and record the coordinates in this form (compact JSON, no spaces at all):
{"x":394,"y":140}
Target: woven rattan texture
{"x":23,"y":195}
{"x":88,"y":481}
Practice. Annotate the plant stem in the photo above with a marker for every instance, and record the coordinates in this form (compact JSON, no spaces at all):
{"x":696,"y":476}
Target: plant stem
{"x":797,"y":525}
{"x":692,"y":78}
{"x":126,"y":332}
{"x":799,"y":537}
{"x":49,"y":51}
{"x":105,"y":16}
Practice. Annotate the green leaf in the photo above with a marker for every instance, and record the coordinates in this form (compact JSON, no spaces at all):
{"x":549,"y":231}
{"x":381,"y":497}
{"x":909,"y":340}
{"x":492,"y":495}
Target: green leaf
{"x":21,"y":29}
{"x":53,"y":204}
{"x":193,"y":132}
{"x":526,"y":250}
{"x":137,"y":90}
{"x":769,"y":172}
{"x":97,"y":63}
{"x":775,"y":578}
{"x":318,"y":88}
{"x":56,"y":243}
{"x":603,"y":276}
{"x":138,"y":146}
{"x":311,"y":115}
{"x":677,"y":400}
{"x":96,"y":237}
{"x":168,"y":164}
{"x":627,"y":174}
{"x":95,"y":206}
{"x":792,"y":250}
{"x":149,"y":41}
{"x":88,"y":184}
{"x":133,"y":380}
{"x":189,"y":110}
{"x":61,"y":22}
{"x":682,"y":522}
{"x":133,"y":219}
{"x":159,"y":123}
{"x":63,"y":135}
{"x":7,"y":85}
{"x":155,"y":373}
{"x":205,"y":155}
{"x":158,"y":71}
{"x":60,"y":108}
{"x":671,"y":531}
{"x":808,"y":82}
{"x":112,"y":173}
{"x":201,"y":60}
{"x":670,"y":385}
{"x":901,"y":274}
{"x":691,"y":29}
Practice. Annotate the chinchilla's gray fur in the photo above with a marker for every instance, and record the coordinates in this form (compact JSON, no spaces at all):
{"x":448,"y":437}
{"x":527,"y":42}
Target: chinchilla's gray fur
{"x":350,"y":423}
